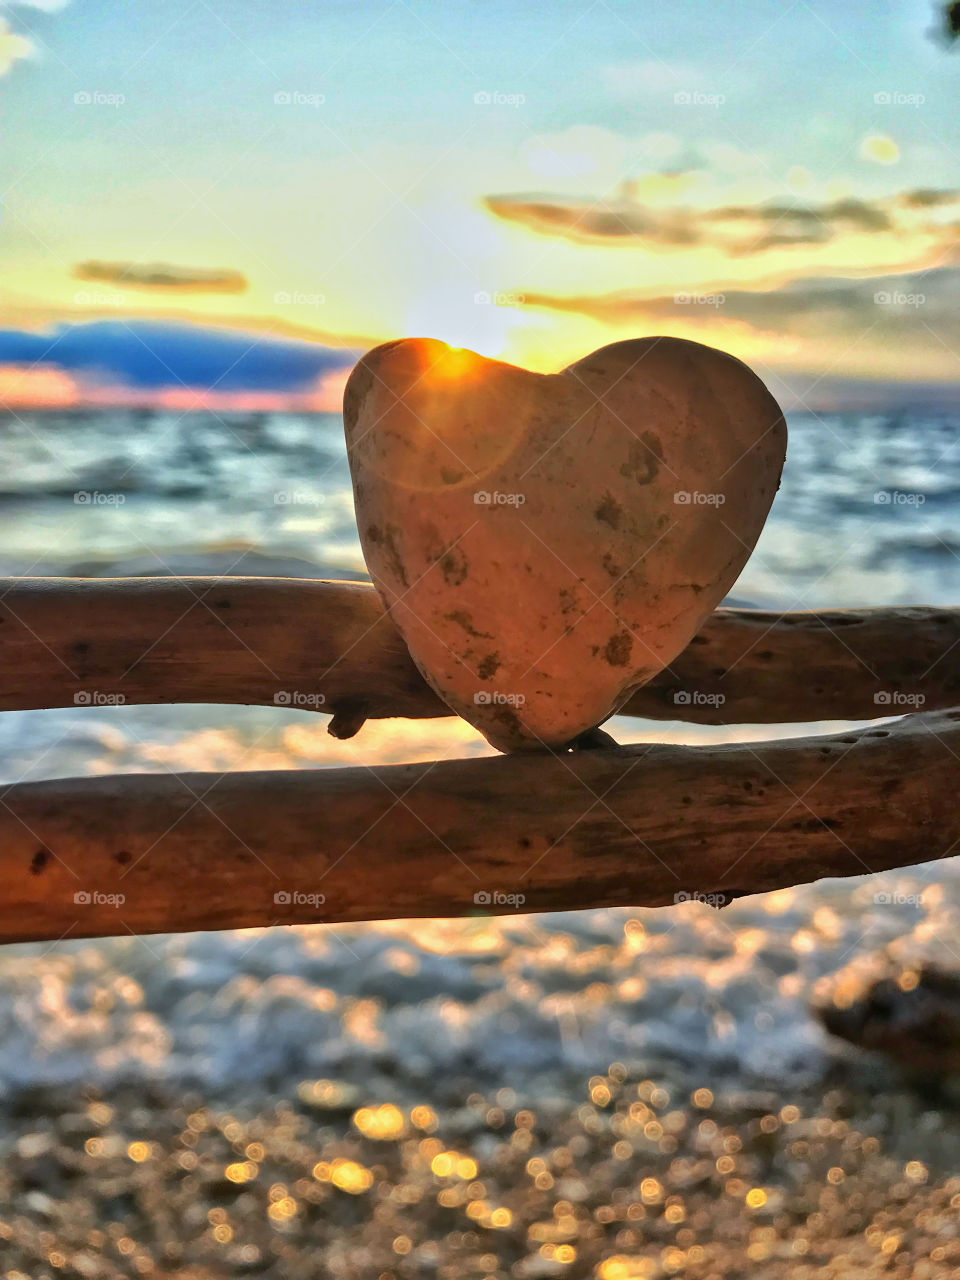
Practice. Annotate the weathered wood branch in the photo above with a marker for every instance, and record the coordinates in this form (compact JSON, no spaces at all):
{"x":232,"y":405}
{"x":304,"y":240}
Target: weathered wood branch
{"x":633,"y":826}
{"x":257,"y":640}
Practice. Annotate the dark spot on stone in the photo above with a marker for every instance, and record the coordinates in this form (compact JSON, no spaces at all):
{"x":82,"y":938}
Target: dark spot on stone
{"x":80,"y":647}
{"x":699,"y":640}
{"x":489,"y":666}
{"x":39,"y":861}
{"x":393,"y":554}
{"x":525,"y":842}
{"x":453,"y":566}
{"x":618,"y":649}
{"x":719,"y":672}
{"x":223,"y":604}
{"x":463,"y":619}
{"x":686,"y":800}
{"x":767,"y":655}
{"x":373,"y":533}
{"x":355,"y":392}
{"x":610,"y":565}
{"x":449,"y":476}
{"x":122,"y":856}
{"x":568,"y":600}
{"x":643,"y":458}
{"x":509,"y":719}
{"x":609,"y":511}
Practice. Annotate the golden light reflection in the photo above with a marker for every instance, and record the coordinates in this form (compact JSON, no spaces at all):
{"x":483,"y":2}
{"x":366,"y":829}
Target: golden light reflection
{"x":384,"y":1123}
{"x":450,"y":1164}
{"x":346,"y":1175}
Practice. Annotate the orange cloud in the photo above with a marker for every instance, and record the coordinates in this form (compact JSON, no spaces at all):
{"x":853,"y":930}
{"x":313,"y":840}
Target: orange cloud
{"x":47,"y":387}
{"x":12,"y":47}
{"x":631,"y":218}
{"x":160,"y":275}
{"x":28,"y":386}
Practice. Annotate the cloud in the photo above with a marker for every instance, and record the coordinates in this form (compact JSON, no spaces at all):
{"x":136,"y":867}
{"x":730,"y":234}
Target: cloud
{"x":45,"y":6}
{"x":928,"y":198}
{"x":887,"y":327}
{"x":621,"y":219}
{"x":13,"y":47}
{"x":23,"y":385}
{"x":151,"y":362}
{"x":735,"y":230}
{"x":880,"y":149}
{"x":801,"y":308}
{"x":159,"y":275}
{"x":769,"y":225}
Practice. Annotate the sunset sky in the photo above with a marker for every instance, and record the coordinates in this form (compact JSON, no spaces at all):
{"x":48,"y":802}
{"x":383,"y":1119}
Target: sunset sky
{"x":225,"y":203}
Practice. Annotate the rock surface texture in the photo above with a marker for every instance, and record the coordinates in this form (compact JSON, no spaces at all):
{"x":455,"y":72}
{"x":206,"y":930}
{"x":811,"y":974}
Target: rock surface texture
{"x":547,"y":543}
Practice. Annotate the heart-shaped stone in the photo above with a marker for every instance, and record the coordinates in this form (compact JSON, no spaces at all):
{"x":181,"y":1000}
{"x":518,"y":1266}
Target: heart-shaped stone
{"x":546,"y":543}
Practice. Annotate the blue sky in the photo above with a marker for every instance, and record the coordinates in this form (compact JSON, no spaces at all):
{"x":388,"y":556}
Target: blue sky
{"x":371,"y":169}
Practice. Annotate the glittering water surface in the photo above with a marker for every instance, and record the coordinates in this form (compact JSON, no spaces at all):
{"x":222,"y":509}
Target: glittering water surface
{"x":618,"y":1094}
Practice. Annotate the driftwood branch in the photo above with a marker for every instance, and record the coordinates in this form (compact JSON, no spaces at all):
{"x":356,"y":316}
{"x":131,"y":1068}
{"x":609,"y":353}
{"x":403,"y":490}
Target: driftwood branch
{"x":263,"y":640}
{"x":636,"y":825}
